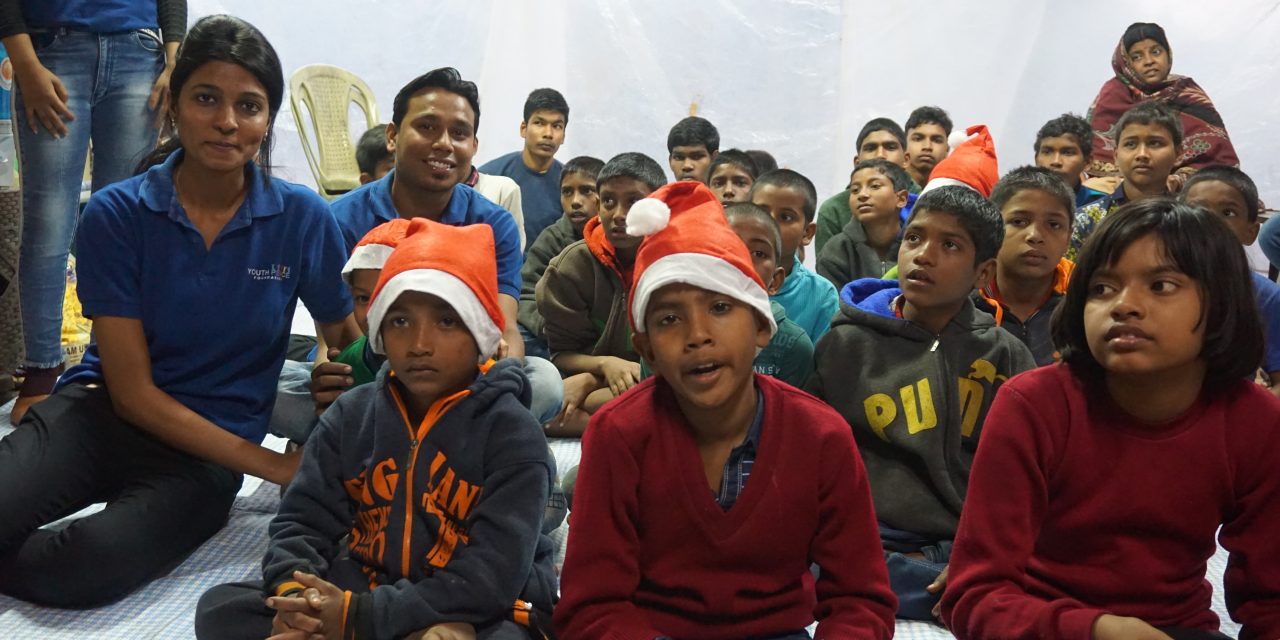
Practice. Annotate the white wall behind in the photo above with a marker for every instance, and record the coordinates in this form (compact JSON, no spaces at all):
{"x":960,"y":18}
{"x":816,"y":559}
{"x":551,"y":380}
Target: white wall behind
{"x":795,"y":77}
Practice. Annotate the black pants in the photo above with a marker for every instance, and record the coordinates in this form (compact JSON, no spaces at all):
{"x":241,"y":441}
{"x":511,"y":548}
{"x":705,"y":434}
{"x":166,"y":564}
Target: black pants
{"x":238,"y":611}
{"x":72,"y":450}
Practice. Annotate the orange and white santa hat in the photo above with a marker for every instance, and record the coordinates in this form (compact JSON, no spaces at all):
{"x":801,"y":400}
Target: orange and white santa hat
{"x":456,"y":264}
{"x":689,"y":241}
{"x":972,"y":164}
{"x":375,"y":247}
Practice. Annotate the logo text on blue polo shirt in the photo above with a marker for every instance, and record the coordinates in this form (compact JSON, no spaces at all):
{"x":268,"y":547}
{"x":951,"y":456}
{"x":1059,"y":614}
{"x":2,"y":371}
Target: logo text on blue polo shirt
{"x":278,"y":272}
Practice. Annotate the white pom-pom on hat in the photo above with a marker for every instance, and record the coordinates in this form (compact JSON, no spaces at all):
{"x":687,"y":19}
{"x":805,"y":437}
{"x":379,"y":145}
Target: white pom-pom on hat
{"x":647,"y":217}
{"x":957,"y":138}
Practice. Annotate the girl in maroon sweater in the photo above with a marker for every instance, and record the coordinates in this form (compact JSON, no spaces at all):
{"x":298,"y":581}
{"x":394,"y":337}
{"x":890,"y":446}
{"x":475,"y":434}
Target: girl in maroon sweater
{"x":1100,"y":483}
{"x":707,"y":491}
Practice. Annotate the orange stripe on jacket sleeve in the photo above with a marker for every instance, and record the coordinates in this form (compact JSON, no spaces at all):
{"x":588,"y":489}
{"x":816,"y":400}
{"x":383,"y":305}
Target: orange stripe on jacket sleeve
{"x":286,"y":587}
{"x":346,"y":605}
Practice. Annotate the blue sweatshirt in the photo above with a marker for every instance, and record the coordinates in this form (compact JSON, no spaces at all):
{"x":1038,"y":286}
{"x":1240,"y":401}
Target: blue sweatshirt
{"x":444,"y":517}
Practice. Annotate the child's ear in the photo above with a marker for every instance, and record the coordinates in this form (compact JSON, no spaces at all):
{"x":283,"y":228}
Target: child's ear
{"x":901,"y":198}
{"x":1254,"y":228}
{"x":524,"y":126}
{"x":809,"y":230}
{"x":365,"y":178}
{"x":983,"y":273}
{"x":762,"y":332}
{"x":640,"y":342}
{"x":773,"y":284}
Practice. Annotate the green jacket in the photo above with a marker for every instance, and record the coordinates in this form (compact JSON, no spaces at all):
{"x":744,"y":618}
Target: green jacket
{"x":549,"y":244}
{"x":848,"y":257}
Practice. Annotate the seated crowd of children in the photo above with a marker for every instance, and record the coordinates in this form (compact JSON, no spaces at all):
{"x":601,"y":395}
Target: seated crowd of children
{"x":1018,"y":406}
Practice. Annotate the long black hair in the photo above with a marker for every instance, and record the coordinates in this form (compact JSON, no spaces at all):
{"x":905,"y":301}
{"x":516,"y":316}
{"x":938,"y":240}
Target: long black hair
{"x":227,"y":39}
{"x":1199,"y":244}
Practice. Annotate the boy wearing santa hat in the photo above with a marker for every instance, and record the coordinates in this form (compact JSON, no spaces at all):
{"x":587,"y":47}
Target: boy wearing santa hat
{"x":706,"y":491}
{"x":435,"y":475}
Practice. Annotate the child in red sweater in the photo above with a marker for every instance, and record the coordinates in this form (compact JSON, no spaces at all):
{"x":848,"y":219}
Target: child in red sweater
{"x":706,"y":491}
{"x":1100,"y":483}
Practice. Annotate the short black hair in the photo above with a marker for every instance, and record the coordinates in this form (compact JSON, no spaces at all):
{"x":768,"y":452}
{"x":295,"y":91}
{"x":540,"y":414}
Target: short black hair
{"x":694,"y":131}
{"x":1231,"y":176}
{"x":633,"y":165}
{"x":929,"y":115}
{"x":583,"y":165}
{"x":1068,"y":124}
{"x":1139,"y":31}
{"x":446,"y":78}
{"x":741,"y":210}
{"x":894,"y":172}
{"x":372,"y":148}
{"x":765,"y":162}
{"x":887,"y":124}
{"x":789,"y":179}
{"x":977,"y":215}
{"x":1149,"y":113}
{"x":1200,"y":245}
{"x":546,"y":99}
{"x":1024,"y":178}
{"x":737,"y":158}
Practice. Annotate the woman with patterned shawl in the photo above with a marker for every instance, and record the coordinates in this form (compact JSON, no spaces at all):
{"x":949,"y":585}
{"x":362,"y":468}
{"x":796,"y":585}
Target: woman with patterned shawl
{"x":1142,"y":61}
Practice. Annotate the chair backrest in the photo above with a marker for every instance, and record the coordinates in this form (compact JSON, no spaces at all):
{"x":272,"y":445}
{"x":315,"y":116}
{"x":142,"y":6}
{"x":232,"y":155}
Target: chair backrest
{"x":327,"y":92}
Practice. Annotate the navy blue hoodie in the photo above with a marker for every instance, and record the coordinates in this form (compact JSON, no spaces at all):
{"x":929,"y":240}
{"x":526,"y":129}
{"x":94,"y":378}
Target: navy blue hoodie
{"x":443,"y":518}
{"x":916,"y":401}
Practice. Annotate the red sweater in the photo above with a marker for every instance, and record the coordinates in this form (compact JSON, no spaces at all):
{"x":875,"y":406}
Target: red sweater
{"x":652,"y":554}
{"x":1075,"y":510}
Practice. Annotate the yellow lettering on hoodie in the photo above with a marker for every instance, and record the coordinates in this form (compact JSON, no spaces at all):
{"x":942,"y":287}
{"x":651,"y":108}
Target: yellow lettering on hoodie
{"x":880,"y":411}
{"x":920,"y":415}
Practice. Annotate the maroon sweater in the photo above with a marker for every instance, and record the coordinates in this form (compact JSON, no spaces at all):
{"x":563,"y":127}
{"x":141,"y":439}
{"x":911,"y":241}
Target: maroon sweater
{"x":1075,"y":510}
{"x":652,"y":554}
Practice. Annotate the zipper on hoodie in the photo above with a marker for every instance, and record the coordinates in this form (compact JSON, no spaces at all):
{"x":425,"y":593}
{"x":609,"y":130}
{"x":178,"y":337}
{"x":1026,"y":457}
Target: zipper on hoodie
{"x":416,"y":436}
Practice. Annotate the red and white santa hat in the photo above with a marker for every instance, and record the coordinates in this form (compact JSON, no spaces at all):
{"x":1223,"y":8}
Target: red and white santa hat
{"x":456,"y":264}
{"x":375,"y":247}
{"x":689,"y":241}
{"x":972,"y":164}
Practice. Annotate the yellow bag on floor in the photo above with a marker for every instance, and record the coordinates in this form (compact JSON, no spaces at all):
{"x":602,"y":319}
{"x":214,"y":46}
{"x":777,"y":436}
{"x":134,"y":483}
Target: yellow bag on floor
{"x":75,"y":327}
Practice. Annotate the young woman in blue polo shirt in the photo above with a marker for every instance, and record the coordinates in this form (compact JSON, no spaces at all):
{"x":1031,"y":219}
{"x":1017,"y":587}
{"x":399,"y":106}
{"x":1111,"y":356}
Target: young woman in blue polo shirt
{"x":190,"y":272}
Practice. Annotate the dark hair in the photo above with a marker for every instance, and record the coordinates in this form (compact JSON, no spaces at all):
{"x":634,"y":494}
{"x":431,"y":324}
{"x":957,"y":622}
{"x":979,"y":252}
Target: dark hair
{"x":886,"y":124}
{"x":1068,"y":124}
{"x":1139,"y":31}
{"x":694,"y":131}
{"x":1200,"y":245}
{"x":223,"y":38}
{"x":372,"y":149}
{"x":789,"y":179}
{"x":1024,"y":178}
{"x":977,"y":215}
{"x":583,"y":165}
{"x":894,"y":172}
{"x":1232,"y":177}
{"x":737,"y":158}
{"x":929,"y":115}
{"x":446,"y":78}
{"x":764,"y":160}
{"x":743,"y":210}
{"x":1152,"y":112}
{"x":545,"y":100}
{"x":633,"y":165}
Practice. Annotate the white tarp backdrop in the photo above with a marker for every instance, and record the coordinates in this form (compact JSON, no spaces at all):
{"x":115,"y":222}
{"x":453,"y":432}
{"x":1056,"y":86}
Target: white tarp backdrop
{"x":796,"y":77}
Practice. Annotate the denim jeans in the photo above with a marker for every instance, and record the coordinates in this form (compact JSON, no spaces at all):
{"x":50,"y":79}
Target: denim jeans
{"x":108,"y":79}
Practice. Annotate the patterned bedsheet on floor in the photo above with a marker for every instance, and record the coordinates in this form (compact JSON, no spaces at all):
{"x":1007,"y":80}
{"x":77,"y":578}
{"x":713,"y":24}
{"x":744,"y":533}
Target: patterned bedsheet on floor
{"x":166,"y":608}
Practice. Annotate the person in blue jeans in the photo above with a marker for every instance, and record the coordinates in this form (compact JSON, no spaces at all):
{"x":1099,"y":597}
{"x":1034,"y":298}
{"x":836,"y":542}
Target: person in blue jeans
{"x":86,"y":71}
{"x":191,"y":272}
